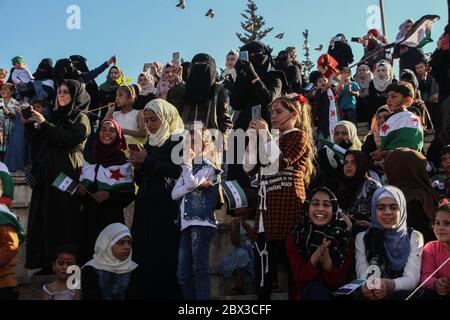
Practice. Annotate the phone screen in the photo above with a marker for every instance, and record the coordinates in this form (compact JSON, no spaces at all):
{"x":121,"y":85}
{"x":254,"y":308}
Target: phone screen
{"x":243,"y":55}
{"x":176,"y":60}
{"x":26,"y":113}
{"x":256,"y":112}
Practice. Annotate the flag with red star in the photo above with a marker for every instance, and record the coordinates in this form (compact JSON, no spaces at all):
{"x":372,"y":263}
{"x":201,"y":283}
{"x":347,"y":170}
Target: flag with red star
{"x":402,"y":130}
{"x":117,"y":177}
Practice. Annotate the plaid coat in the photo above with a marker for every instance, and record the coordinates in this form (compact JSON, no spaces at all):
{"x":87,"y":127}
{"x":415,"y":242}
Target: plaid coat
{"x":285,"y":190}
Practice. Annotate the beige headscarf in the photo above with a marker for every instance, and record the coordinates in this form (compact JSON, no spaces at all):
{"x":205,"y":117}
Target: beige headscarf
{"x":352,"y":134}
{"x":103,"y":258}
{"x":170,"y":121}
{"x":374,"y":128}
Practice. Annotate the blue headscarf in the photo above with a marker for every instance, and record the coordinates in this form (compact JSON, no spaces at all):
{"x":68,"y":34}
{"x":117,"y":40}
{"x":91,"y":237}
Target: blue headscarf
{"x":396,"y":241}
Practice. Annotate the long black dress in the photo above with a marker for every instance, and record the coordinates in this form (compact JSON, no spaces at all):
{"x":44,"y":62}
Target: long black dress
{"x":155,"y":234}
{"x":54,"y":217}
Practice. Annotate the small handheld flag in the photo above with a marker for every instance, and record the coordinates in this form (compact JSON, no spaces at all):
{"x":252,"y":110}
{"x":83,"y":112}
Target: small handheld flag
{"x":338,"y":150}
{"x":65,"y":184}
{"x":235,"y":195}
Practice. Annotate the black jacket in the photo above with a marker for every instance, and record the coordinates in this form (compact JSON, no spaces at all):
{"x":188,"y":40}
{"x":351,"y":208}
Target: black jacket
{"x":342,"y":52}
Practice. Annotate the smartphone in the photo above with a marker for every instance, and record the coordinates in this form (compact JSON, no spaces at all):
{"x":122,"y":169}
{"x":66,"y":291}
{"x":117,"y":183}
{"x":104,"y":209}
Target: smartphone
{"x":134,"y":148}
{"x":355,"y":39}
{"x":147,"y":67}
{"x":26,"y":112}
{"x":176,"y":59}
{"x":2,"y":104}
{"x":243,"y":55}
{"x":256,"y":112}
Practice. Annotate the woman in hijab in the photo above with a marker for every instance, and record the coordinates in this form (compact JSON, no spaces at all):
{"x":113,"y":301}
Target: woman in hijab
{"x":156,"y":236}
{"x":201,"y":99}
{"x":111,"y":274}
{"x":283,"y":62}
{"x":107,"y":185}
{"x":255,"y":85}
{"x":372,"y":142}
{"x":382,"y":78}
{"x":389,"y":247}
{"x":147,"y":93}
{"x":441,"y":139}
{"x":346,"y":137}
{"x":320,"y":249}
{"x":230,"y":62}
{"x":373,"y":42}
{"x":54,"y":218}
{"x":406,"y":169}
{"x":355,"y":189}
{"x":363,"y":78}
{"x":107,"y":90}
{"x":171,"y":76}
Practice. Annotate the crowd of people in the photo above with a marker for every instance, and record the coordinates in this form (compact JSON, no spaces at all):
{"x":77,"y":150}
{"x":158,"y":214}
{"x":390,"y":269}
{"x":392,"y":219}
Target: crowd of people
{"x":321,"y":204}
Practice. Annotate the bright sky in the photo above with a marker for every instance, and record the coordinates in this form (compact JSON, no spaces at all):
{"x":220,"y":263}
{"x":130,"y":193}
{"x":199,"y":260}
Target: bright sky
{"x":140,"y":31}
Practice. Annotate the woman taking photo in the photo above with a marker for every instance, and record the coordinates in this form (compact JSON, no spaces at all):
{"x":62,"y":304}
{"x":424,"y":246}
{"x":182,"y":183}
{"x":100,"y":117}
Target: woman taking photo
{"x":55,"y":218}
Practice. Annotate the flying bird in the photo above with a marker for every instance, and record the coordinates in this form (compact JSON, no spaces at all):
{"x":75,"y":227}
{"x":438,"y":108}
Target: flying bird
{"x":319,"y":48}
{"x":181,"y":4}
{"x":279,"y":36}
{"x":210,"y":13}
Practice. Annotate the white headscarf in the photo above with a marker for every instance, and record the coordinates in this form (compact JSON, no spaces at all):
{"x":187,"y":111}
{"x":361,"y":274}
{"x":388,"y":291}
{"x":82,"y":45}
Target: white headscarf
{"x":352,"y":134}
{"x":170,"y":121}
{"x":103,"y":258}
{"x":382,"y":84}
{"x":230,"y":71}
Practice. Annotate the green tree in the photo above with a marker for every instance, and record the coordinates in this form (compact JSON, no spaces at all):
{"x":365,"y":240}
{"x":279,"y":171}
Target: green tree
{"x":252,"y":25}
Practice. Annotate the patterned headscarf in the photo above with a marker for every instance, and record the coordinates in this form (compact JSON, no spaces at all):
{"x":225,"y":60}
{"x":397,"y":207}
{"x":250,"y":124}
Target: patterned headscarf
{"x":309,"y":236}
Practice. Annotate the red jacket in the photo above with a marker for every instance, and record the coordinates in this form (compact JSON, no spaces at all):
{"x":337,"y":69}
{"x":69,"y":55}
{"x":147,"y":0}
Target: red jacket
{"x":304,"y":272}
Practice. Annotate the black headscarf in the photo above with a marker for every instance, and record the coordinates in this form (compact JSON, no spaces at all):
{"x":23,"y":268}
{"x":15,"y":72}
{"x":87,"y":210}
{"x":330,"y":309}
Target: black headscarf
{"x":80,"y":100}
{"x":79,"y":63}
{"x":348,"y":188}
{"x":201,"y":79}
{"x":65,"y":70}
{"x":259,"y":55}
{"x":309,"y":236}
{"x":186,"y":69}
{"x":282,"y":60}
{"x":44,"y":70}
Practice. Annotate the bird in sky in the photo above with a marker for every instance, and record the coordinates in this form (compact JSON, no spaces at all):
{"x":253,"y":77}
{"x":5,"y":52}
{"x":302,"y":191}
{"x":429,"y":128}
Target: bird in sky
{"x":181,"y":4}
{"x":279,"y":36}
{"x":210,"y":13}
{"x":319,"y":48}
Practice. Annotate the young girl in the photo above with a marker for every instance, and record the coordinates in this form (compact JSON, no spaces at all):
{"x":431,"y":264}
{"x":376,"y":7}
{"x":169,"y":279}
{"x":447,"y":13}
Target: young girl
{"x":6,"y":114}
{"x":58,"y":290}
{"x":436,"y":253}
{"x":131,"y":121}
{"x":198,"y":186}
{"x":389,"y":247}
{"x":320,"y":248}
{"x":110,"y":275}
{"x":109,"y":179}
{"x":282,"y":189}
{"x":241,"y":260}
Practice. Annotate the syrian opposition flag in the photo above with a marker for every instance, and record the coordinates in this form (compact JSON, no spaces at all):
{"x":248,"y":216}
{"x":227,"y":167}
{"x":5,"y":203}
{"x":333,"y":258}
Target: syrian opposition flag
{"x":402,"y":130}
{"x":65,"y":183}
{"x":420,"y":33}
{"x":235,"y":195}
{"x":119,"y":177}
{"x":8,"y":185}
{"x":338,"y":150}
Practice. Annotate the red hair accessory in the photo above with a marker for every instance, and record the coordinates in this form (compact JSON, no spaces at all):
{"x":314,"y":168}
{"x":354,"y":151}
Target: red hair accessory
{"x":301,"y":99}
